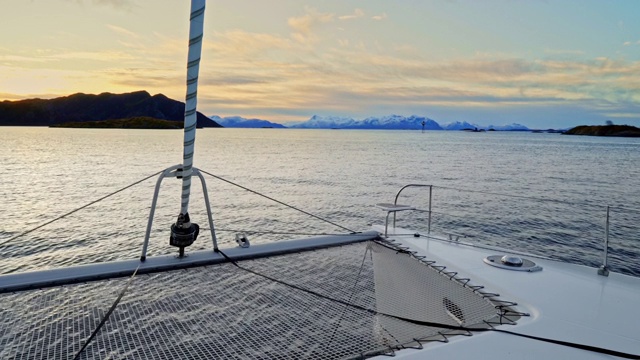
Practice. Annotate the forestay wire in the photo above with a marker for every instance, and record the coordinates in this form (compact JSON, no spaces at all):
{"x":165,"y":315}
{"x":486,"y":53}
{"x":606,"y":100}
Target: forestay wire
{"x":78,"y":209}
{"x":277,"y":201}
{"x":208,"y":173}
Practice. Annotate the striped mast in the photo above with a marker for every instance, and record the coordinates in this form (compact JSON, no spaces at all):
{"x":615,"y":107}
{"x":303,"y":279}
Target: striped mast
{"x":190,"y":114}
{"x":183,"y":232}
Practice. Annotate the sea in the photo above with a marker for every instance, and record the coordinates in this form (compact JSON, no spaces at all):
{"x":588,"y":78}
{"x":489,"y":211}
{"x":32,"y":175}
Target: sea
{"x":546,"y":194}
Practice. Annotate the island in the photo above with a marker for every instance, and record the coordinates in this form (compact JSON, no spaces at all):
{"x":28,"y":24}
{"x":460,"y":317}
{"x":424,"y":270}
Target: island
{"x":605,"y":130}
{"x":139,"y":122}
{"x":117,"y":110}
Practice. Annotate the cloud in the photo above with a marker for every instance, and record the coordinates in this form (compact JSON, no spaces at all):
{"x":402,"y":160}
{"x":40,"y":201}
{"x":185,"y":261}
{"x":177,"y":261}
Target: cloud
{"x":305,"y":24}
{"x":626,"y":43}
{"x":16,"y":97}
{"x":357,"y":13}
{"x":11,"y":59}
{"x":564,"y":52}
{"x":622,"y":115}
{"x":101,"y":56}
{"x":122,"y":31}
{"x":242,"y":43}
{"x":379,"y":17}
{"x":116,"y":4}
{"x":301,"y":73}
{"x":343,"y":79}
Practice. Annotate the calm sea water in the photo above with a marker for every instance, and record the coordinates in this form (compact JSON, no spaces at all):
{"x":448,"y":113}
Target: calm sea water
{"x":335,"y":174}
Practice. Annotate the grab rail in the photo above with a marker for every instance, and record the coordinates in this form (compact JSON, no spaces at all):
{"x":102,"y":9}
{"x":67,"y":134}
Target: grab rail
{"x":395,"y":202}
{"x":603,"y":269}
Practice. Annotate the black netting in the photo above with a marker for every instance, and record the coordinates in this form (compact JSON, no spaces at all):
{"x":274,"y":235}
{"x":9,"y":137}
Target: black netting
{"x":226,"y":312}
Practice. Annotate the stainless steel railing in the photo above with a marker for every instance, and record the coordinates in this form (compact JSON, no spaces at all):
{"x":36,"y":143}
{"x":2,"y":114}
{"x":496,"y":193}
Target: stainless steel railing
{"x":569,"y":225}
{"x":395,"y":202}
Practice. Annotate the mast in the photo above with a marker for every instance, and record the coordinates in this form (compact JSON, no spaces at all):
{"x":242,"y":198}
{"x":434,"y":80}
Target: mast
{"x":183,"y":233}
{"x":190,"y":114}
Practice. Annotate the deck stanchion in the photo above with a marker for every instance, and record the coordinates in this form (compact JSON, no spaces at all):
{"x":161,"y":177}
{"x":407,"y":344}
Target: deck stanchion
{"x":604,"y":269}
{"x":430,"y":197}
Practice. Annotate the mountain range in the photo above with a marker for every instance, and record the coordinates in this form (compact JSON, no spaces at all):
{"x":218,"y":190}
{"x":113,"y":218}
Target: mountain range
{"x":390,"y":122}
{"x":240,"y":122}
{"x":81,"y":108}
{"x":86,"y":107}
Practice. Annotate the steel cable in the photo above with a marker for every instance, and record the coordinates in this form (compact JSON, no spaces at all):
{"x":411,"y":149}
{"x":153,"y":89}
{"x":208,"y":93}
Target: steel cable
{"x":77,"y":209}
{"x":277,"y":201}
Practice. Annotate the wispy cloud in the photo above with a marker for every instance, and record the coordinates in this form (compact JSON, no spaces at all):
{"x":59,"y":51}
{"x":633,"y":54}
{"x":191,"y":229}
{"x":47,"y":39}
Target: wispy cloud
{"x":122,"y":31}
{"x":242,"y":43}
{"x":357,"y":13}
{"x":379,"y":17}
{"x":116,"y":4}
{"x":564,"y":52}
{"x":306,"y":23}
{"x":307,"y":65}
{"x":622,"y":115}
{"x":292,"y":76}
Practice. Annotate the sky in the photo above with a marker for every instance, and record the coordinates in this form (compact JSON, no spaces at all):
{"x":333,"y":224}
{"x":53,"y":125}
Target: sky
{"x":541,"y":63}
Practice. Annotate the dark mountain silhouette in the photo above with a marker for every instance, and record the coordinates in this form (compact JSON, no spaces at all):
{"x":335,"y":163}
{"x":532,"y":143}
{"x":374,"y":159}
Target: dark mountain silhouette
{"x":605,"y":130}
{"x":85,"y":107}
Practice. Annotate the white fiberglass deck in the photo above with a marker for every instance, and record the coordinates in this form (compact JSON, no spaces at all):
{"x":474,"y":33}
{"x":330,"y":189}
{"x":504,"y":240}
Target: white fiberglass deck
{"x":565,"y":302}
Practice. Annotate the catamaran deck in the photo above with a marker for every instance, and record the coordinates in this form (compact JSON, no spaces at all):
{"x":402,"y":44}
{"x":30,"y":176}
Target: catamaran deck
{"x":351,"y":296}
{"x":566,"y":302}
{"x":355,"y":296}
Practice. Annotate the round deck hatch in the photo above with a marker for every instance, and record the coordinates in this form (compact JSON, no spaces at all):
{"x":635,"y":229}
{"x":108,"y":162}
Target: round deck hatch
{"x":511,"y":262}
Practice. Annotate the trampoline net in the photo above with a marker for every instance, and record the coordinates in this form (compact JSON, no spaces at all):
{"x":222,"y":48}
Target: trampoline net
{"x":226,"y":312}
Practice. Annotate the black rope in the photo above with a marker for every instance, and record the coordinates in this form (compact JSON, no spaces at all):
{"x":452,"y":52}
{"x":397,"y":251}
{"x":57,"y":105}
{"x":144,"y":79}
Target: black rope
{"x":78,"y":209}
{"x":438,"y":325}
{"x":106,"y":317}
{"x":278,"y":201}
{"x":353,"y":291}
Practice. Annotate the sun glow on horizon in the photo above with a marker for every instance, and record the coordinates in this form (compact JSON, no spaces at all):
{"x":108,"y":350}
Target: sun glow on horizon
{"x":288,"y":61}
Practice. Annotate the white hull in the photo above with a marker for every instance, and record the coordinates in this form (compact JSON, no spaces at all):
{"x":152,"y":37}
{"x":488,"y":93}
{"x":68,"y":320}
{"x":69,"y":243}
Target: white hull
{"x":566,"y":302}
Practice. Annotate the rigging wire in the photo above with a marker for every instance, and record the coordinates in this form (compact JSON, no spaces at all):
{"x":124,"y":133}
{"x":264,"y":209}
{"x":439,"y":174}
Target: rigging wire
{"x":353,"y":291}
{"x":435,"y":324}
{"x":77,"y":209}
{"x":106,"y":316}
{"x":277,"y":201}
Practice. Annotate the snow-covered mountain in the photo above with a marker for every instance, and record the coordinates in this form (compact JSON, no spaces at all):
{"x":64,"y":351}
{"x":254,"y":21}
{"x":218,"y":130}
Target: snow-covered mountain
{"x":326,"y":122}
{"x":389,"y":122}
{"x":461,"y":126}
{"x":240,"y":122}
{"x":510,"y":127}
{"x":458,"y":125}
{"x":399,"y":122}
